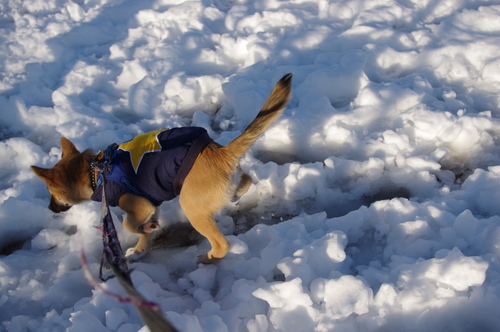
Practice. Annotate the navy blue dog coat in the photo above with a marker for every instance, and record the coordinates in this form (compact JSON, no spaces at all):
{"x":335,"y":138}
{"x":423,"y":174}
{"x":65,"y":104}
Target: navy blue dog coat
{"x":153,"y":165}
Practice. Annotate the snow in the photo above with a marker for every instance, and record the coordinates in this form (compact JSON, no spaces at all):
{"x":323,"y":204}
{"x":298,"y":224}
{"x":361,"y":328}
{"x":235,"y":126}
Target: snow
{"x":375,"y":197}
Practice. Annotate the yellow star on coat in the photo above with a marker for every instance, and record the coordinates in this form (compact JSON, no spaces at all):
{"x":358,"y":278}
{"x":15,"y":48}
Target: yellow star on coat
{"x":142,"y":144}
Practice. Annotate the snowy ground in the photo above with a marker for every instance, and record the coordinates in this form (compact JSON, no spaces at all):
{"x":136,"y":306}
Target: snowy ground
{"x":376,"y":196}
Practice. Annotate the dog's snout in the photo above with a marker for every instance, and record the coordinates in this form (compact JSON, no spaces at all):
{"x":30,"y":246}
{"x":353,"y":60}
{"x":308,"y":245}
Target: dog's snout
{"x":56,"y":207}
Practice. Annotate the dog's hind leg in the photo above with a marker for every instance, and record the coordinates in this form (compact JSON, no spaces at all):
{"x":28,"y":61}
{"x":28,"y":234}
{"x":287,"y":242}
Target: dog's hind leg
{"x":206,"y":226}
{"x":205,"y":191}
{"x":243,"y":185}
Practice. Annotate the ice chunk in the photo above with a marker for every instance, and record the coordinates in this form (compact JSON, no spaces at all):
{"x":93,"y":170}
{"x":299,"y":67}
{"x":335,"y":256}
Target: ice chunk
{"x":284,"y":294}
{"x":48,"y":239}
{"x":204,"y":277}
{"x":115,"y":317}
{"x":347,"y":295}
{"x":84,"y":322}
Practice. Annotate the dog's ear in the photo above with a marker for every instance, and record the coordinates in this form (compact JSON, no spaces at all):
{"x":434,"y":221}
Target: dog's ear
{"x":42,"y":173}
{"x":68,"y":148}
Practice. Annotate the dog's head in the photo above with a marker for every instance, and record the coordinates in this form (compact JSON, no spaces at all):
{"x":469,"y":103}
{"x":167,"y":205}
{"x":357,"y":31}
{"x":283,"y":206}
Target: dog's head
{"x":66,"y":179}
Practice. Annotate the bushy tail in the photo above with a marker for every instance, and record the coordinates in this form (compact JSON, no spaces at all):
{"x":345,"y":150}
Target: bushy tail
{"x":270,"y":111}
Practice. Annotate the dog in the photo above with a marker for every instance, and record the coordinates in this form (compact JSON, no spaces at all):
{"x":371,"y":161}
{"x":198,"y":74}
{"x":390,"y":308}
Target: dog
{"x":205,"y":176}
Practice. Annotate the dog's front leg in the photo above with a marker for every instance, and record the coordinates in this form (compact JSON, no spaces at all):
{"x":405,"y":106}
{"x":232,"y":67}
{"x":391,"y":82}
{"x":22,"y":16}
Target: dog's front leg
{"x":141,"y":218}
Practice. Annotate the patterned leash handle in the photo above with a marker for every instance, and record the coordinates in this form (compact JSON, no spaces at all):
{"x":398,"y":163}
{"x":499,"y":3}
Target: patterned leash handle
{"x":113,"y":253}
{"x":112,"y":250}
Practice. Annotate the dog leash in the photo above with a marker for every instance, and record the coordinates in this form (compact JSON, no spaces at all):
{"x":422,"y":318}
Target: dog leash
{"x":113,"y":254}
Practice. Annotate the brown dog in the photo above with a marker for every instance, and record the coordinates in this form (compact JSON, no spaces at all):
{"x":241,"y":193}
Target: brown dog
{"x":211,"y":181}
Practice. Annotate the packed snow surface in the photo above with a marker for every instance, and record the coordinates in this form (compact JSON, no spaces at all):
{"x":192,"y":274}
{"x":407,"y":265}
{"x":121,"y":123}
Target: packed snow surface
{"x":376,"y":196}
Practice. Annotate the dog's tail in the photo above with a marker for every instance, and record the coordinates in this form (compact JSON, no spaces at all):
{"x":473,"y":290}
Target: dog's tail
{"x":270,"y":111}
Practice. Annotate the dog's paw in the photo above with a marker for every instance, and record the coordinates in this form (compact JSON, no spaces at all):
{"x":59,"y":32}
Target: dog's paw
{"x":204,"y":259}
{"x":132,"y":255}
